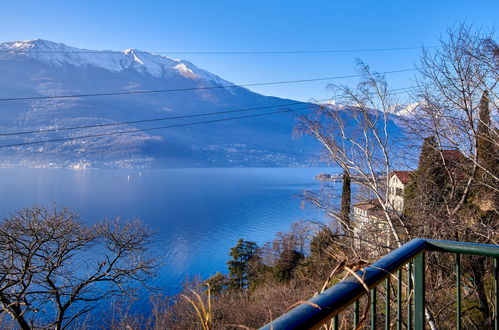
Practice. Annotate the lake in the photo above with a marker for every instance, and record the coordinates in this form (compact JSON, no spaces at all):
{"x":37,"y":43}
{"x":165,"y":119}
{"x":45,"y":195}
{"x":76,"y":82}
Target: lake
{"x":197,"y":214}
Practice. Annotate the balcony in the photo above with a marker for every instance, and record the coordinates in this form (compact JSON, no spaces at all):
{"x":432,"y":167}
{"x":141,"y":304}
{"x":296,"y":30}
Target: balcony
{"x":354,"y":301}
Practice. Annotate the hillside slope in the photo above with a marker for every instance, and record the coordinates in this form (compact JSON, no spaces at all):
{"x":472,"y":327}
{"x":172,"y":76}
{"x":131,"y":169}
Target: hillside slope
{"x":44,"y":68}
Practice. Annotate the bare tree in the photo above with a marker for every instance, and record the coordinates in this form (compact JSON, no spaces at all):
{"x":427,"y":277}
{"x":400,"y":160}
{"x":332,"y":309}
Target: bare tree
{"x":356,"y":136}
{"x":453,"y":81}
{"x":52,"y":263}
{"x":457,"y":97}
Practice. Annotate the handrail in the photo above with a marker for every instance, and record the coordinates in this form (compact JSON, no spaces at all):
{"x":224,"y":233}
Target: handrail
{"x":326,"y":305}
{"x":462,"y":247}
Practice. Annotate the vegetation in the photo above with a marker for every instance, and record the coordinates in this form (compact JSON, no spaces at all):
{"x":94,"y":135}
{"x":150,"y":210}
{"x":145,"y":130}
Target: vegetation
{"x":346,"y":197}
{"x":242,"y":264}
{"x":426,"y":189}
{"x":54,"y":264}
{"x":487,"y":151}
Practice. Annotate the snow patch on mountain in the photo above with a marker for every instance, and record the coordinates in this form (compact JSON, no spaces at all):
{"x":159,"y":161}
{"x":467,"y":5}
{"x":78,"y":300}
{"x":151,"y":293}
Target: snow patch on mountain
{"x":185,"y":71}
{"x":405,"y":110}
{"x":60,"y":54}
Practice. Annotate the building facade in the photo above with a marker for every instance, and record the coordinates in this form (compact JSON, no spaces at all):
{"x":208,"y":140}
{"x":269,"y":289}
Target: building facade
{"x":395,"y":190}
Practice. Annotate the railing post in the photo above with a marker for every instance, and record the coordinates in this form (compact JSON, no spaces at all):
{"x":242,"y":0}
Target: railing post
{"x":409,"y":296}
{"x":373,"y":308}
{"x":356,"y":313}
{"x":336,"y":322}
{"x":458,"y":291}
{"x":387,"y":304}
{"x":399,"y":300}
{"x":419,"y":291}
{"x":496,"y":293}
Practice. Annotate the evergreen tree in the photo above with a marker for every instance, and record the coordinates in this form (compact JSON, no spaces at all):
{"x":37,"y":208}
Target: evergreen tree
{"x":287,"y":262}
{"x":426,"y":189}
{"x":431,"y":169}
{"x":218,"y":283}
{"x":429,"y":155}
{"x":321,"y":242}
{"x":240,"y":267}
{"x":487,"y":154}
{"x":346,"y":201}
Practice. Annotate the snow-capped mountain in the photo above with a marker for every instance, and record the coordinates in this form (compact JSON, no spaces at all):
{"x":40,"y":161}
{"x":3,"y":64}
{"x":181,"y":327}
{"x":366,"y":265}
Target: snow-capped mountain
{"x":45,"y":68}
{"x":59,"y":54}
{"x":405,"y":110}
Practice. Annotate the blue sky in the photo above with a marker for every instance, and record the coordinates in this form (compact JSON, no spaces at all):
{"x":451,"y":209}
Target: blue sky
{"x":253,"y":25}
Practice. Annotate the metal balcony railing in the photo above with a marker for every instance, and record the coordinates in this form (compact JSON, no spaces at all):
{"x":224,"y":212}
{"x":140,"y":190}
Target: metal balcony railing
{"x":407,"y":261}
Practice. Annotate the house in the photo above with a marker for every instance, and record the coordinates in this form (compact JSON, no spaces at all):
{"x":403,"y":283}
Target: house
{"x":370,"y":224}
{"x":367,"y":211}
{"x":452,"y":157}
{"x":371,"y":210}
{"x":398,"y":180}
{"x":395,"y":190}
{"x":371,"y":227}
{"x":369,"y":215}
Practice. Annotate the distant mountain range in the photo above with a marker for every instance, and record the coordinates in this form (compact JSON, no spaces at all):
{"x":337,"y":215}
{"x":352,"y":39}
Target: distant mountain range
{"x":45,"y":68}
{"x":37,"y":69}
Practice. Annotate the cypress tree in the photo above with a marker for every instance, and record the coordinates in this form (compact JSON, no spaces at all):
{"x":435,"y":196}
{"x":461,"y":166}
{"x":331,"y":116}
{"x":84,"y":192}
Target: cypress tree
{"x":346,"y":201}
{"x":488,"y":159}
{"x":487,"y":155}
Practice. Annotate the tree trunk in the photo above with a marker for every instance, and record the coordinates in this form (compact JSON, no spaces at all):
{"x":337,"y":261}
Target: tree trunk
{"x":16,"y":313}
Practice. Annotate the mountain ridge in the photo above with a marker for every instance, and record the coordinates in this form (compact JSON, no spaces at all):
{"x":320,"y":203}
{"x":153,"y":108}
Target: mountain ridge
{"x":45,"y":68}
{"x":59,"y":53}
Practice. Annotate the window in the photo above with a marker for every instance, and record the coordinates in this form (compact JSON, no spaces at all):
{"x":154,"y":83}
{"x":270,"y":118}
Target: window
{"x":400,"y":192}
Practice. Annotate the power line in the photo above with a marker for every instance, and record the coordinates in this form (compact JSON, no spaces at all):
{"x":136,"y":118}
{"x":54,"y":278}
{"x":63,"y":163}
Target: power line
{"x":395,"y":91}
{"x":153,"y":119}
{"x":146,"y":129}
{"x":164,"y":127}
{"x":263,"y":52}
{"x":192,"y":88}
{"x":403,"y":88}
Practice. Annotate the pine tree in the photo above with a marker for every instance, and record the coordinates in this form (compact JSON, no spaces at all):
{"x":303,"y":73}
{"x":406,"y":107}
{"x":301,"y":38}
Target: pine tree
{"x":218,"y":283}
{"x":240,"y":266}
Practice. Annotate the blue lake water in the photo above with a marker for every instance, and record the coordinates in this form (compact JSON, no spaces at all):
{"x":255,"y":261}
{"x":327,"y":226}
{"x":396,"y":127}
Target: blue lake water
{"x":197,"y":214}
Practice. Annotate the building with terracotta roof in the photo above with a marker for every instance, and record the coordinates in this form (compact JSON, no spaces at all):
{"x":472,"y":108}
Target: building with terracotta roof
{"x":403,"y":176}
{"x":395,"y":190}
{"x":370,"y":215}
